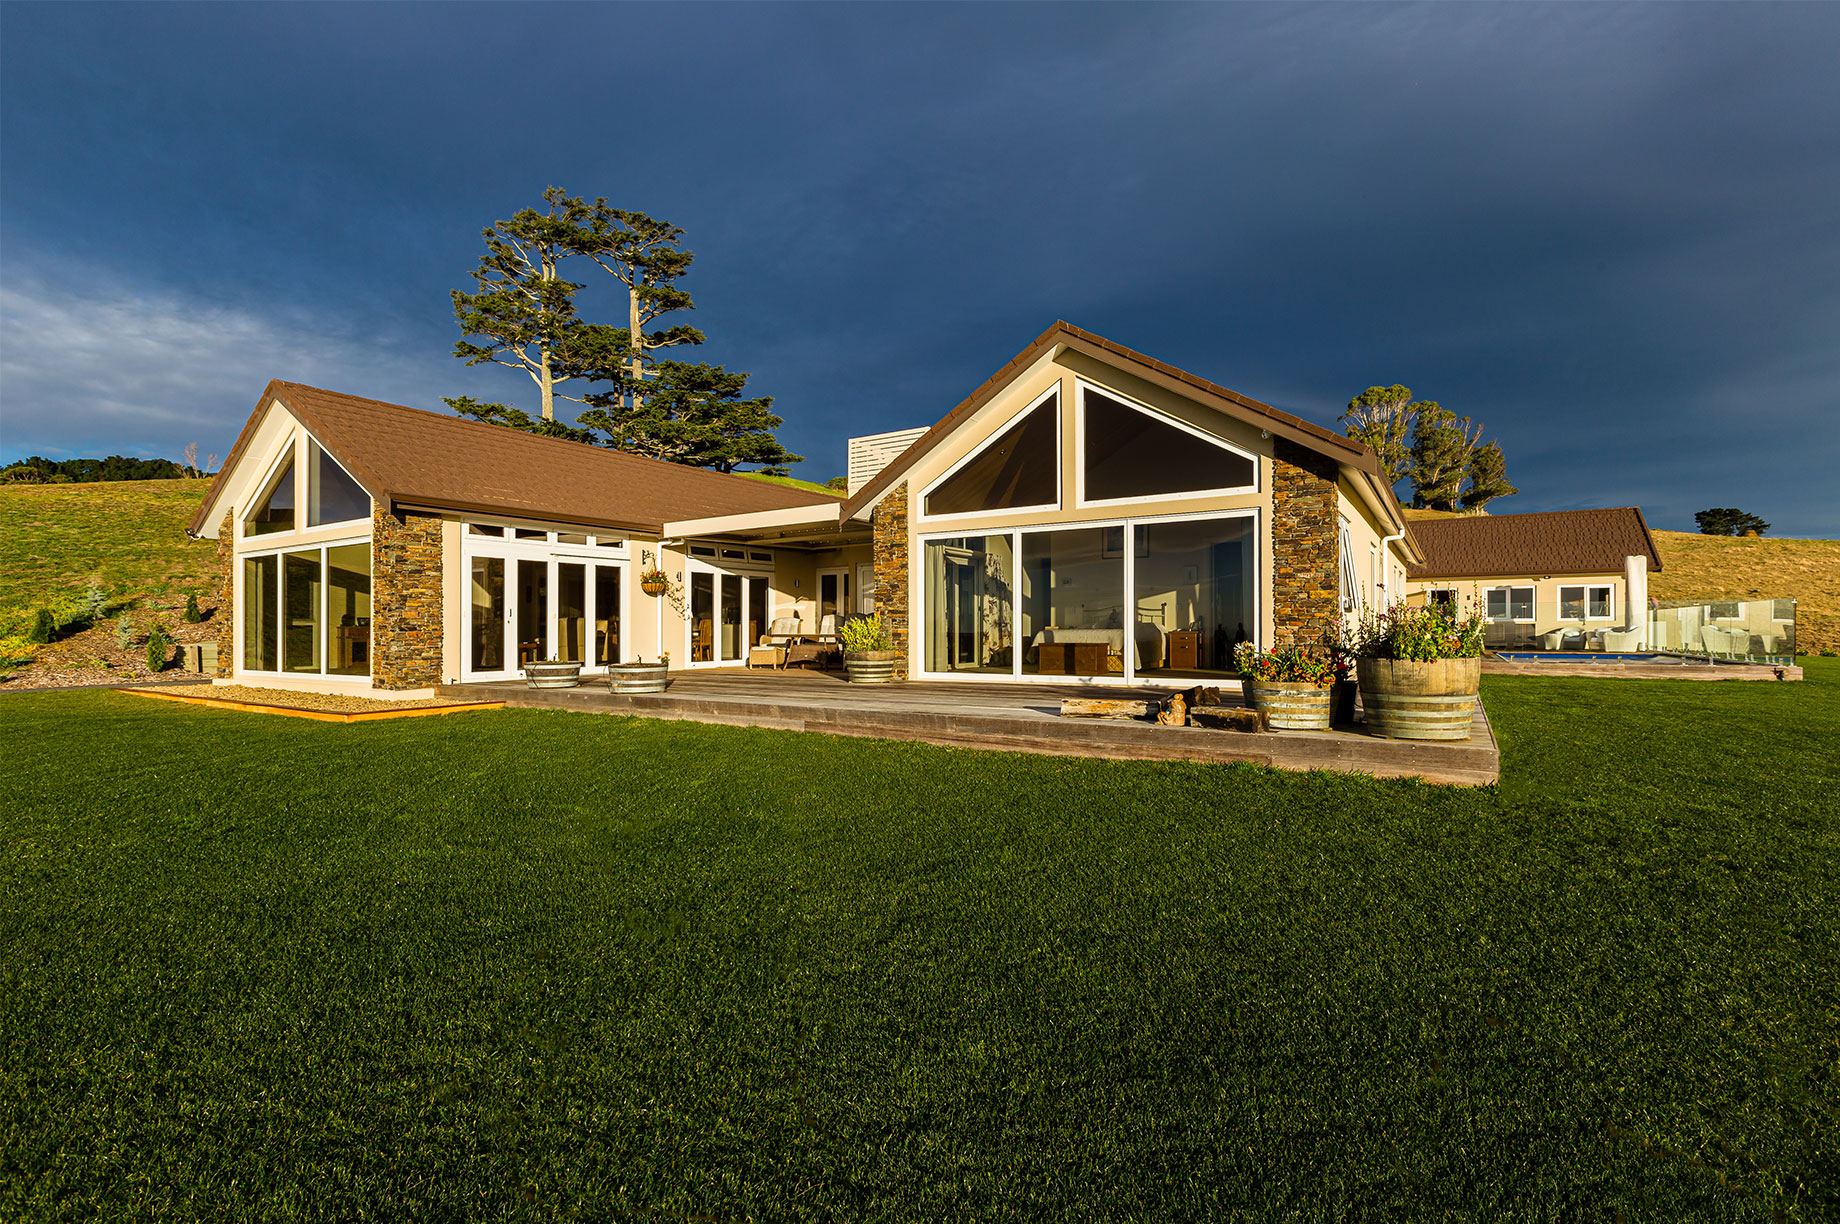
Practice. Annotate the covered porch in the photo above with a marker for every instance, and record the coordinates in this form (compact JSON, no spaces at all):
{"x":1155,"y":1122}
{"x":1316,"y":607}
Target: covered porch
{"x":1006,"y":716}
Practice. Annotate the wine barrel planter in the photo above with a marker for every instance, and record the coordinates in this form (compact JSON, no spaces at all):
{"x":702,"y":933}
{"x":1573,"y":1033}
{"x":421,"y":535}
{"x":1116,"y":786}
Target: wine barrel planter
{"x":1403,"y":699}
{"x":552,"y":675}
{"x":870,"y":666}
{"x":1292,"y":706}
{"x":638,"y":677}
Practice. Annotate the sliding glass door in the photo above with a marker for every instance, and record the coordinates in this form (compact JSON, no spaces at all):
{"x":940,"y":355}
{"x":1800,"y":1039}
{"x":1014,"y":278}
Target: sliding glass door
{"x":529,"y":600}
{"x":725,"y":613}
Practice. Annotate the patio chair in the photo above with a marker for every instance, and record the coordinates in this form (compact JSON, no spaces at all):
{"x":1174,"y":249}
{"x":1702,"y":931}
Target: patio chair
{"x":1616,"y":641}
{"x":1712,"y":640}
{"x":1552,"y":641}
{"x":772,"y":647}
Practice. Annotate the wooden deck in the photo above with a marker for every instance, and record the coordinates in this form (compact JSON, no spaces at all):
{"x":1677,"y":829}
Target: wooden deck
{"x":1011,"y":717}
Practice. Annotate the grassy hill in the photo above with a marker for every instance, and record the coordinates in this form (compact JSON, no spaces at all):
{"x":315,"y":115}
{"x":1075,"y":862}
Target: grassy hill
{"x":791,"y":482}
{"x":1726,"y":567}
{"x":127,"y":536}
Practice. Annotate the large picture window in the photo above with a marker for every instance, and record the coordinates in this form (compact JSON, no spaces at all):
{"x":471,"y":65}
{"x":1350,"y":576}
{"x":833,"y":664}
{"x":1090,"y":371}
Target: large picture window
{"x":332,"y":495}
{"x":970,"y":612}
{"x":1018,"y":469}
{"x":1132,"y":454}
{"x":275,"y":512}
{"x":1510,"y":603}
{"x":1584,"y":602}
{"x":307,"y":611}
{"x":1153,"y":599}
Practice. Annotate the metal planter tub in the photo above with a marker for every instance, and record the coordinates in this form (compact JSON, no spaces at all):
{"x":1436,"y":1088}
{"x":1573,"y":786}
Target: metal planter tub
{"x":1404,"y":699}
{"x":552,"y":675}
{"x":1292,"y":706}
{"x":870,"y":666}
{"x":638,"y":677}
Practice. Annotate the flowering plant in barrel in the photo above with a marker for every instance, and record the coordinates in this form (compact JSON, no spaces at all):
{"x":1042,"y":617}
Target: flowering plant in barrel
{"x":1419,"y":669}
{"x":869,"y":655}
{"x":1291,"y":684}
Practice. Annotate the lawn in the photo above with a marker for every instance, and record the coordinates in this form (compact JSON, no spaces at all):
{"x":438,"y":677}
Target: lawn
{"x":539,"y":965}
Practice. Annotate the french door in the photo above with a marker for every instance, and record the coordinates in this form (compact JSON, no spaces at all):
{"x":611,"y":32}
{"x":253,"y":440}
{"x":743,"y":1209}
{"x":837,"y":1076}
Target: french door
{"x":725,"y":612}
{"x":528,"y":609}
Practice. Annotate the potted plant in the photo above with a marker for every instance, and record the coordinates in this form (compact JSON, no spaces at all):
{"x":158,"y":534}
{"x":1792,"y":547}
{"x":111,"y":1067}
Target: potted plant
{"x":654,"y":581}
{"x":1292,"y":684}
{"x":552,"y":673}
{"x":1419,"y":669}
{"x":640,"y":676}
{"x":868,"y":652}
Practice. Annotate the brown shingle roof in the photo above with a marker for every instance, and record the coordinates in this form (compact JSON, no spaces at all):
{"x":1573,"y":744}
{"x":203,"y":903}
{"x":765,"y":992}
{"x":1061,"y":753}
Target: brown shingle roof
{"x":408,"y":456}
{"x":1315,"y":437}
{"x":1556,"y":542}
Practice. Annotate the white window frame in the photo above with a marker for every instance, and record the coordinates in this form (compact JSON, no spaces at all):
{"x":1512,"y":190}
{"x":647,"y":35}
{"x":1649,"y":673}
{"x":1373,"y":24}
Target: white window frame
{"x":1533,"y":604}
{"x":744,"y":568}
{"x":1082,"y":386}
{"x":265,"y":489}
{"x":1351,"y":576}
{"x":1782,"y":620}
{"x":1585,"y":589}
{"x":980,"y":448}
{"x":549,"y":549}
{"x":325,"y":587}
{"x":308,"y":444}
{"x":916,"y":642}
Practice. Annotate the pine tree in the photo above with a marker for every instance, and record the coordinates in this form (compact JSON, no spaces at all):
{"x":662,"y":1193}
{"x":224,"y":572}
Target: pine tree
{"x":1382,"y":417}
{"x":1440,"y":456}
{"x":1488,"y":477}
{"x":1728,"y":521}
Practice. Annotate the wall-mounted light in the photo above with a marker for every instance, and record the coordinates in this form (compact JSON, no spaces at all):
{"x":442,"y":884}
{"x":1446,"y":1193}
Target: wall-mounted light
{"x":1264,"y":433}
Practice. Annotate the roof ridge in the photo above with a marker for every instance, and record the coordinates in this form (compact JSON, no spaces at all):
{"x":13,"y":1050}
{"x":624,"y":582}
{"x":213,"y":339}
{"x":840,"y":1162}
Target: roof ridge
{"x":503,"y":430}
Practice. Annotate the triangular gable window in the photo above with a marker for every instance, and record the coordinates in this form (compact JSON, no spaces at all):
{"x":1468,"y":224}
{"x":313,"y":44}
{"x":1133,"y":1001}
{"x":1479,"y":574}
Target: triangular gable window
{"x":333,"y":496}
{"x":275,"y":512}
{"x":1017,"y":469}
{"x":1132,"y":455}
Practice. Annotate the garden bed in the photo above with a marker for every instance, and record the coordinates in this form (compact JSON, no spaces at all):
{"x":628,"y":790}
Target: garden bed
{"x":323,"y":707}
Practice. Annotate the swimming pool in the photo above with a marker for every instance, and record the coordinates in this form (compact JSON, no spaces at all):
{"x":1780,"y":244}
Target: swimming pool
{"x":1584,"y":657}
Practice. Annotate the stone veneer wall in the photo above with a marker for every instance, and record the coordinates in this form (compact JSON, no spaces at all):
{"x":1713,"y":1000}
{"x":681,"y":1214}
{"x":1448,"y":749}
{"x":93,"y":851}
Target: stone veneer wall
{"x":225,"y":612}
{"x":405,"y":600}
{"x":889,"y":521}
{"x":1306,"y":582}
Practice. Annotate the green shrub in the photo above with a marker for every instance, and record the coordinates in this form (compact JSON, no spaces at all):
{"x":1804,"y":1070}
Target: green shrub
{"x":1420,"y":634}
{"x":192,"y":614}
{"x":95,"y":603}
{"x":866,"y":633}
{"x":44,"y":628}
{"x":157,"y":649}
{"x":124,"y":632}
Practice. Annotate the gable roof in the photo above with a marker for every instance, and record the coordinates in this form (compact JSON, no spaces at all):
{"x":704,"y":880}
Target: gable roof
{"x":406,"y":456}
{"x":1063,"y":334}
{"x":1555,"y":542}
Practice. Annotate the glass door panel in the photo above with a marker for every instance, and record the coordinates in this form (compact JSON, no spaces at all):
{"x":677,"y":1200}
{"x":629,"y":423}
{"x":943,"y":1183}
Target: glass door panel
{"x":261,"y":576}
{"x":571,"y":612}
{"x":488,"y":627}
{"x":702,"y":617}
{"x":606,"y":615}
{"x":532,"y":611}
{"x":759,"y":612}
{"x":731,"y":617}
{"x":300,"y":597}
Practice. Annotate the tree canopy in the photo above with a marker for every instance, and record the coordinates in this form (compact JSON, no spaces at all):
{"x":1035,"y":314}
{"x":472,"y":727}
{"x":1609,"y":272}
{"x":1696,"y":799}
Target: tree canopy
{"x":683,"y":412}
{"x":1728,"y":521}
{"x":1440,"y":453}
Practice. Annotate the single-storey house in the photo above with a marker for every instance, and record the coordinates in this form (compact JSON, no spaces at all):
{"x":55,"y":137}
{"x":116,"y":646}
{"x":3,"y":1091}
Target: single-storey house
{"x":1088,"y":513}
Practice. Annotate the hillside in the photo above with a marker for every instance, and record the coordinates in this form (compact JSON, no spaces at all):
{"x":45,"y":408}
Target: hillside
{"x":791,"y":482}
{"x":1728,"y":567}
{"x":128,"y":536}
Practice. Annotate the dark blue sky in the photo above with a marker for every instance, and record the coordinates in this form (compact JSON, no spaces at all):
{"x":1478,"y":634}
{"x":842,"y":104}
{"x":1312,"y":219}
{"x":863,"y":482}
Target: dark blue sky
{"x":1612,"y":234}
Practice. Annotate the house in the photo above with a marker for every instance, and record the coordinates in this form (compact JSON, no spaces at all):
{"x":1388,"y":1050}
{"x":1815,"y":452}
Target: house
{"x":1089,"y":513}
{"x":1570,"y":573}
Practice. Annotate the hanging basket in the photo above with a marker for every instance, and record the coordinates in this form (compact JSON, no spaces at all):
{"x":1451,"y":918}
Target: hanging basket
{"x":654,"y":588}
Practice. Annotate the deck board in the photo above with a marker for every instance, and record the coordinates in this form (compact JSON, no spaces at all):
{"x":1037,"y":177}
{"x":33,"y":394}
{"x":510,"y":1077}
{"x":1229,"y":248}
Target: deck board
{"x":1011,"y":717}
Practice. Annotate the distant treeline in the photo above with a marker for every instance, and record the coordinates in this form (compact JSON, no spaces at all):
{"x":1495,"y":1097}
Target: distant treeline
{"x":39,"y":470}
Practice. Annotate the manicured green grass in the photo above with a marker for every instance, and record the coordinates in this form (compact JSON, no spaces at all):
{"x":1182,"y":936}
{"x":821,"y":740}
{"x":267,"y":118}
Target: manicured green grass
{"x":550,"y":966}
{"x":792,"y":482}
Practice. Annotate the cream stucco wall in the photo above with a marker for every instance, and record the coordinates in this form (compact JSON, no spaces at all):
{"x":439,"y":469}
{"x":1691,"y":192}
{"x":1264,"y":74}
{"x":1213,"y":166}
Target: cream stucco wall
{"x":1471,"y":592}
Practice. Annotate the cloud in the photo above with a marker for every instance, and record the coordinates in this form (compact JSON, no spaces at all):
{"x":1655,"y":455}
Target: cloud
{"x":115,"y":369}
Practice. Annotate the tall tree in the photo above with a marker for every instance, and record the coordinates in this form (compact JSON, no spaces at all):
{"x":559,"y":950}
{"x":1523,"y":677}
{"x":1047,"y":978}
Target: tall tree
{"x":693,"y":414}
{"x":1382,"y":417}
{"x":1728,"y":521}
{"x":515,"y":418}
{"x":524,"y":311}
{"x":1488,"y":477}
{"x":1442,"y":443}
